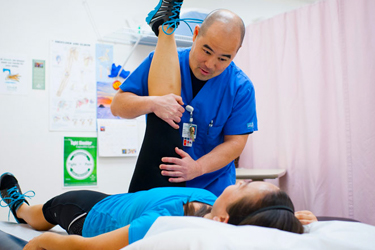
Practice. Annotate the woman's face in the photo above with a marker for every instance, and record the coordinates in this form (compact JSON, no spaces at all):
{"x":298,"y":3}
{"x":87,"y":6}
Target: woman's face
{"x":251,"y":190}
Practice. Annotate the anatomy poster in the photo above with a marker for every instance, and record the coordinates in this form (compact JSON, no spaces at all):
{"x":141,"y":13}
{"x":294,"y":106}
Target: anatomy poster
{"x":14,"y":73}
{"x":73,"y":86}
{"x":80,"y":161}
{"x":106,"y":86}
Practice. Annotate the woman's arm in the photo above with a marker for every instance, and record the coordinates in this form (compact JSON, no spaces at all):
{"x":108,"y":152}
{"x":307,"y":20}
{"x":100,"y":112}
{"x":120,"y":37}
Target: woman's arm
{"x":51,"y":241}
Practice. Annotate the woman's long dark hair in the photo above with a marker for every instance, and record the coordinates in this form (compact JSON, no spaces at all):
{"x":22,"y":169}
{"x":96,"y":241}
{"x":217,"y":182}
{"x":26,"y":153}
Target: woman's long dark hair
{"x":244,"y":212}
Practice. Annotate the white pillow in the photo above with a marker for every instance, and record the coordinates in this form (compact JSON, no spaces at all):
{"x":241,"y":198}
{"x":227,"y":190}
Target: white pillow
{"x":171,"y":233}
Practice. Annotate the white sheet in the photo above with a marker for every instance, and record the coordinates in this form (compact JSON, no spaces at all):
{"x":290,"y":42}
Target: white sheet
{"x":24,"y":231}
{"x":170,"y":233}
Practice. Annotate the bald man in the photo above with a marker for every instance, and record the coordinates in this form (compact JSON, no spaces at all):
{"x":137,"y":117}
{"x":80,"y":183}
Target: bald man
{"x":215,"y":112}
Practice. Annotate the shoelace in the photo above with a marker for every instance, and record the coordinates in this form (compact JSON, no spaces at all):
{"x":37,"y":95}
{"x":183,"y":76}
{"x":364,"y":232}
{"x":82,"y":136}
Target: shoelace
{"x":176,"y":9}
{"x":14,"y":196}
{"x":173,"y":24}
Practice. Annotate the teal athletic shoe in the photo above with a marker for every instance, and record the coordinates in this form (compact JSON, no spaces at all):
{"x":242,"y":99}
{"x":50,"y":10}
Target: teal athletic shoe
{"x":167,"y":12}
{"x":11,"y":194}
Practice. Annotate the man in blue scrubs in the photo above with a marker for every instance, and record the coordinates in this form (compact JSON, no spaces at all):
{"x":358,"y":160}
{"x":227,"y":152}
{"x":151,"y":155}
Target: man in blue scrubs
{"x":215,"y":112}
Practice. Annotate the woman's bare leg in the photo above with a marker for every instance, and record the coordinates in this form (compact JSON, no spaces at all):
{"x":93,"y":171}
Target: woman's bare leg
{"x":33,"y":215}
{"x":164,"y":74}
{"x":160,"y":138}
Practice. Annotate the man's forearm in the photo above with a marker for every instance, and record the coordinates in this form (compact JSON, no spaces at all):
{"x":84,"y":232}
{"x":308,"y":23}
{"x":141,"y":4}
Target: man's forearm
{"x":223,"y":154}
{"x":128,"y":105}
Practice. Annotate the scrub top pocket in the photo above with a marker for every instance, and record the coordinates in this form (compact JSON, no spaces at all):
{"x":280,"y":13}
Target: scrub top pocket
{"x":214,"y":136}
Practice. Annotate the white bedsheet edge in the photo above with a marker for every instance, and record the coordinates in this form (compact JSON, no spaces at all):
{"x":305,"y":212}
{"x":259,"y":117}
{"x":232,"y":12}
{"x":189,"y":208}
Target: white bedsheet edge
{"x":170,"y":233}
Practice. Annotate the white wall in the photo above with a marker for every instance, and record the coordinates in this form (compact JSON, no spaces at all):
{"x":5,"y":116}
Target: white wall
{"x":27,"y":148}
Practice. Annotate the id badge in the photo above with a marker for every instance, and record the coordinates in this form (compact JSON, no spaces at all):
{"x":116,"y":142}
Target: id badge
{"x":189,"y":133}
{"x":187,"y":142}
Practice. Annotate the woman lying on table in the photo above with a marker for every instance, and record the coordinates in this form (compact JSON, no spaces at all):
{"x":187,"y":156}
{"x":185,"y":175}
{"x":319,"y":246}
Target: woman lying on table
{"x":114,"y":221}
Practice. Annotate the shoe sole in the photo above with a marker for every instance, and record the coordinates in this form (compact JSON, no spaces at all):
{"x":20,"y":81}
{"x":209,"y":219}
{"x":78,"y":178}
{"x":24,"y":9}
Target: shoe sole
{"x":153,"y":12}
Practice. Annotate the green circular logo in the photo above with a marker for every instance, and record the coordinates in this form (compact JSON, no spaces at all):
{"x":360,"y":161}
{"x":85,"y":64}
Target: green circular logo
{"x":80,"y":164}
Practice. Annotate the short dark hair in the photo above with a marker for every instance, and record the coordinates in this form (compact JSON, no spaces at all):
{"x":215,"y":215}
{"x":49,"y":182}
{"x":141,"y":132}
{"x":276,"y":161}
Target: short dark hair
{"x":242,"y":213}
{"x":218,"y":16}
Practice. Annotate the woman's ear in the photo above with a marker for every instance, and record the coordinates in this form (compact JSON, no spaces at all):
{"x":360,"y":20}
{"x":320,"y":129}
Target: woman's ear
{"x":223,"y":219}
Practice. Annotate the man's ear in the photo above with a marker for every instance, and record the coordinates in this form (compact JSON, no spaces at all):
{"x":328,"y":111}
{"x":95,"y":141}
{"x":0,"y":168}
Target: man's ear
{"x":196,"y":31}
{"x":223,"y":219}
{"x":239,"y":48}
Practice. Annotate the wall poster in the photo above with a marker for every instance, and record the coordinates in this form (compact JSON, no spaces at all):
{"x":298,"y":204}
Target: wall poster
{"x":80,"y":168}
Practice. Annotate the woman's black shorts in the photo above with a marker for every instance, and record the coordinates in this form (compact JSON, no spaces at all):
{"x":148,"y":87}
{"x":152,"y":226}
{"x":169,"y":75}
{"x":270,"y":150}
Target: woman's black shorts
{"x":69,"y":210}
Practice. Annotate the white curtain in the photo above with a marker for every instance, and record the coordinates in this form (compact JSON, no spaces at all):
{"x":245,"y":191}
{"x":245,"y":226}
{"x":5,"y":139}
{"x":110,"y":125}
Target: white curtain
{"x":314,"y":75}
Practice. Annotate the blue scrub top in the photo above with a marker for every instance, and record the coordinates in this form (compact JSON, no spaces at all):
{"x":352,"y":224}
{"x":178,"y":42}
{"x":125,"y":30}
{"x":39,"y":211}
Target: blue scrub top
{"x":228,"y":100}
{"x":140,"y":210}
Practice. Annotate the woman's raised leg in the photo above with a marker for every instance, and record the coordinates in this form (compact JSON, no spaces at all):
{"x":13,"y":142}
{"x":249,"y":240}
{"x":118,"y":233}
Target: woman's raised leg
{"x":160,"y":138}
{"x":164,"y":74}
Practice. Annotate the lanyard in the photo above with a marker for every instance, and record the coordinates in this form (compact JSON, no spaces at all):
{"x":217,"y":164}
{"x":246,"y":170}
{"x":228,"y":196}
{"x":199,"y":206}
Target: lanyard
{"x":190,"y":109}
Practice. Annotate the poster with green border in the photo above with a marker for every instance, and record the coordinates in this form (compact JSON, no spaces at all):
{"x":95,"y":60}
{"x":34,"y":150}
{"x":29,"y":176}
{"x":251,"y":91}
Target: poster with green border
{"x":80,"y":161}
{"x":39,"y":74}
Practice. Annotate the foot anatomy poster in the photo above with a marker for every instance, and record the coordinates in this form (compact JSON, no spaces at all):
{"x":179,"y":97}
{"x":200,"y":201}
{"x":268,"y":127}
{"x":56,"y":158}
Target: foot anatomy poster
{"x":73,"y":86}
{"x":14,"y":75}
